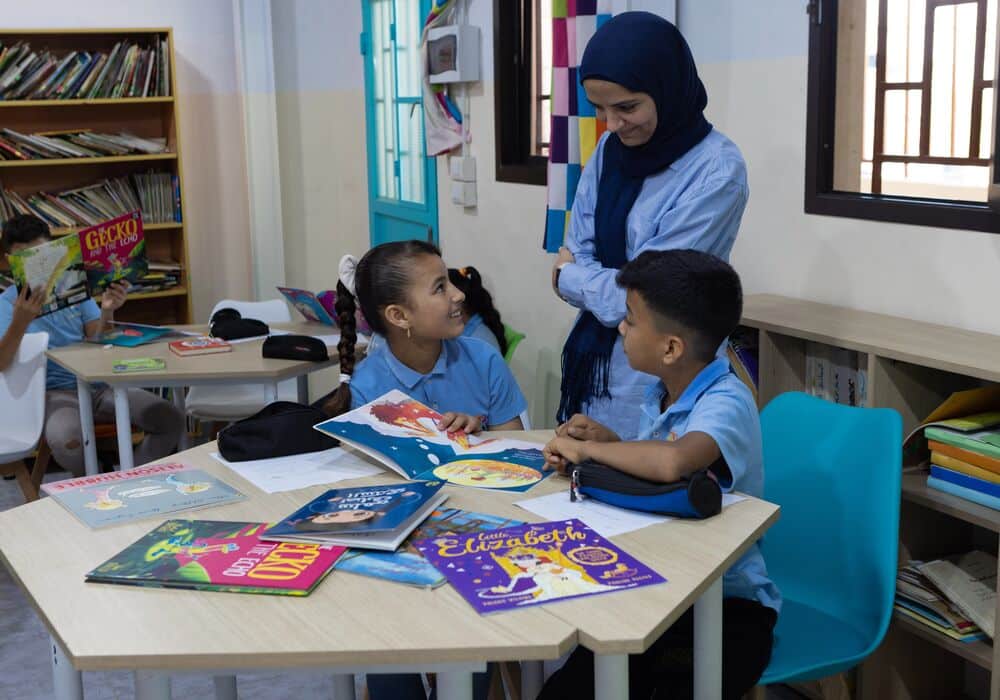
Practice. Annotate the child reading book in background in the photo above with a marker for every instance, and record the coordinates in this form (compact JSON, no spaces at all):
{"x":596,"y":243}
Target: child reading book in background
{"x":158,"y":419}
{"x":404,"y":292}
{"x":680,"y":305}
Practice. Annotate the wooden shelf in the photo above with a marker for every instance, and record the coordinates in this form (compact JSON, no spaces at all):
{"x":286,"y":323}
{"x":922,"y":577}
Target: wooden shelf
{"x":55,"y":162}
{"x":145,"y":227}
{"x":915,"y":490}
{"x":172,"y":292}
{"x":13,"y":104}
{"x":979,"y":653}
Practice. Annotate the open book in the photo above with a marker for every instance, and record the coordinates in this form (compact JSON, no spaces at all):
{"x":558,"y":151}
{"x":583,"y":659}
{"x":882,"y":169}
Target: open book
{"x":402,"y":433}
{"x":970,"y":582}
{"x":55,"y":268}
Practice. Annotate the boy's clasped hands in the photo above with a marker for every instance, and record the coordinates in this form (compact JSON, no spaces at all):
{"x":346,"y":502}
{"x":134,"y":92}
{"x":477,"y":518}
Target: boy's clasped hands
{"x":572,"y":441}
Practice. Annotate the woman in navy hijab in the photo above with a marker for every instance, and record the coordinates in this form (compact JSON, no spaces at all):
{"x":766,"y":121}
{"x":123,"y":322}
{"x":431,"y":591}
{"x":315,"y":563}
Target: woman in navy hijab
{"x":660,"y":177}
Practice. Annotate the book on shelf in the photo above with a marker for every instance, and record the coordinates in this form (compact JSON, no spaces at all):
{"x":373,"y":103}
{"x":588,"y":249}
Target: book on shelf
{"x":968,"y":494}
{"x":146,"y":491}
{"x":974,"y":458}
{"x":366,"y":517}
{"x":139,"y":364}
{"x":958,"y":405}
{"x":402,"y":433}
{"x":203,"y":345}
{"x":743,"y":353}
{"x":213,"y":555}
{"x":75,"y":143}
{"x":983,"y":440}
{"x":919,"y":596}
{"x":407,"y":565}
{"x":928,"y":619}
{"x":970,"y":582}
{"x":970,"y":482}
{"x":943,"y":460}
{"x":114,"y":251}
{"x":54,"y":268}
{"x":532,"y":564}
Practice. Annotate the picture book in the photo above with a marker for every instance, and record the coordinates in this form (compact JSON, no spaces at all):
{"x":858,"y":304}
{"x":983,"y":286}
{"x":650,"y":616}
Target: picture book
{"x":970,"y":582}
{"x":114,"y":250}
{"x":402,"y":433}
{"x":56,"y":267}
{"x":368,"y":517}
{"x":139,"y":364}
{"x":320,"y":308}
{"x":199,"y":346}
{"x":407,"y":565}
{"x":212,"y":555}
{"x":130,"y":335}
{"x":532,"y":564}
{"x":155,"y":489}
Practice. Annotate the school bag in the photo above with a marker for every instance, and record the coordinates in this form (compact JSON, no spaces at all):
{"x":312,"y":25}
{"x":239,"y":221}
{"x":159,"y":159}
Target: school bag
{"x":697,"y":496}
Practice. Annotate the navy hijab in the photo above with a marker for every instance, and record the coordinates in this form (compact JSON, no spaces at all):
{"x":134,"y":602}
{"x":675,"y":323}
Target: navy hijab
{"x":642,"y":52}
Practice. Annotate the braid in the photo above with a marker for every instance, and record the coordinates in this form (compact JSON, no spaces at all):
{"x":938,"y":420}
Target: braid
{"x":340,"y":401}
{"x":479,"y":301}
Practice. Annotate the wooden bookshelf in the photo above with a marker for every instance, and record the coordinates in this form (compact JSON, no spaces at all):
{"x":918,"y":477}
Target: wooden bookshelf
{"x":912,"y":367}
{"x":147,"y":117}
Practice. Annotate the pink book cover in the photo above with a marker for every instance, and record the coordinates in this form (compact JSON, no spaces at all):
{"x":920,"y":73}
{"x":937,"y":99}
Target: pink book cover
{"x":114,"y":250}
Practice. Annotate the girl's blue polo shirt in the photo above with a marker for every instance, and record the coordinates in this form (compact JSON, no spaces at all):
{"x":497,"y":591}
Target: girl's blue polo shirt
{"x":719,"y":404}
{"x":469,"y":377}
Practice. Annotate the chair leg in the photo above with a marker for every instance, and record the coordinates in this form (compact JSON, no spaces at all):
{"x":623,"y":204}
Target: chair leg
{"x":758,"y":692}
{"x":510,"y":679}
{"x":42,"y":458}
{"x":20,"y":471}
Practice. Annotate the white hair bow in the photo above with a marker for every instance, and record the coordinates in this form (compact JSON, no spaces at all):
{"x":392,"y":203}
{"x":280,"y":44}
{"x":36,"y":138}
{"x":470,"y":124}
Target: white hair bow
{"x":348,"y":266}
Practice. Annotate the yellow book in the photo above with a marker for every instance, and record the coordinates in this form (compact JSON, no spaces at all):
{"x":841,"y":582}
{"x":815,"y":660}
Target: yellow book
{"x":943,"y":460}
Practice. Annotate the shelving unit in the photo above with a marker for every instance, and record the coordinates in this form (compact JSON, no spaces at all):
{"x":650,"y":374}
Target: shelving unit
{"x":912,"y":367}
{"x":148,"y":117}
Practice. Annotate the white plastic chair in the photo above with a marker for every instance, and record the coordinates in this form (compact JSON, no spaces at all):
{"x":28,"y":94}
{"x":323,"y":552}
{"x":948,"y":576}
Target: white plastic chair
{"x":22,"y":395}
{"x":232,"y":402}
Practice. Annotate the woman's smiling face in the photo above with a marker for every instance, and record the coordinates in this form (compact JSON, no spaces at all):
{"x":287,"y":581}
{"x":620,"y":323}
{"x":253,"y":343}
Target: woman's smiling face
{"x":631,"y":115}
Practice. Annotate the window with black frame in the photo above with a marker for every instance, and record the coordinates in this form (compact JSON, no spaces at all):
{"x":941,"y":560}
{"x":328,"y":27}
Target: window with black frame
{"x":522,"y":45}
{"x":901,"y":111}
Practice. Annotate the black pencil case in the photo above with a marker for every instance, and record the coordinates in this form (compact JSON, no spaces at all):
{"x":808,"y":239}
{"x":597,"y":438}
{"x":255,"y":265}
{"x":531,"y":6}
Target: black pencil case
{"x":698,"y":496}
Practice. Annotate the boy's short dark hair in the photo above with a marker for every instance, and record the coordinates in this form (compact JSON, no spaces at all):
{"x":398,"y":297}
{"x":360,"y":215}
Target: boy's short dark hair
{"x":697,"y":290}
{"x":24,"y":228}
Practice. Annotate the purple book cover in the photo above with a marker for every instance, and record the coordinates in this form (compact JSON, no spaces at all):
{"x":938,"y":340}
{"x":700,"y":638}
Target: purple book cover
{"x":531,"y":564}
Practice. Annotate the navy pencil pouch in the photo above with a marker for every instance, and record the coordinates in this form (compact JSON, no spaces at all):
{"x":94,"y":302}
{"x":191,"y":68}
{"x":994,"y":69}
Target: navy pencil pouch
{"x":698,"y":496}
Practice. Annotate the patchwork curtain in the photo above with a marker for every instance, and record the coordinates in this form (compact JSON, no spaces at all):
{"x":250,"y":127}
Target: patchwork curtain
{"x":575,"y":129}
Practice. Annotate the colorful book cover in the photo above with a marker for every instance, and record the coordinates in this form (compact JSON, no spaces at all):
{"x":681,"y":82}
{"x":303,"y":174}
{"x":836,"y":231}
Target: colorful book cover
{"x":969,"y":482}
{"x":968,"y":494}
{"x":407,"y":565}
{"x":139,"y":364}
{"x":532,"y":564}
{"x":130,"y":335}
{"x":402,"y":433}
{"x":358,"y":511}
{"x":203,"y":345}
{"x":55,"y":267}
{"x":114,"y":250}
{"x":958,"y":465}
{"x":985,"y":442}
{"x":212,"y":555}
{"x":329,"y":300}
{"x":308,"y":305}
{"x":156,"y":489}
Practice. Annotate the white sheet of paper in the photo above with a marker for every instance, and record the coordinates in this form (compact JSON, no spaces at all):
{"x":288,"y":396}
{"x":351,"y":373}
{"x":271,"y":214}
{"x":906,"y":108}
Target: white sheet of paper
{"x":300,"y":471}
{"x":601,"y":517}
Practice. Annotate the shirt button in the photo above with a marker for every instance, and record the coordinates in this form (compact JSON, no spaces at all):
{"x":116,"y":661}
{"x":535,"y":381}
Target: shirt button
{"x":656,"y":434}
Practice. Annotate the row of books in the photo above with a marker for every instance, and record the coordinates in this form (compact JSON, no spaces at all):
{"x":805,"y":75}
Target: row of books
{"x":954,"y":595}
{"x":155,"y":194}
{"x":965,"y":457}
{"x":129,"y":70}
{"x":74,"y":143}
{"x":835,"y":374}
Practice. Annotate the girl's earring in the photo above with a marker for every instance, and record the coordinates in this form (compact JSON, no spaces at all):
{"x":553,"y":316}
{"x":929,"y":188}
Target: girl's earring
{"x":407,"y":332}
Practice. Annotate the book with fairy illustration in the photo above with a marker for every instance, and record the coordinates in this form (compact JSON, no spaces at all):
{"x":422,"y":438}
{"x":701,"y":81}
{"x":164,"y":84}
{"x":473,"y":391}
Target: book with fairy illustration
{"x":407,"y":565}
{"x":114,"y":251}
{"x":56,"y":268}
{"x":369,"y":517}
{"x":212,"y":555}
{"x":532,"y":564}
{"x":154,"y":489}
{"x":402,"y":433}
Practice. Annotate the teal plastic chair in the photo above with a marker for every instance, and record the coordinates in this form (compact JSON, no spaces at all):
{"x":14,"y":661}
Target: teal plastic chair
{"x":513,"y":339}
{"x":835,"y":471}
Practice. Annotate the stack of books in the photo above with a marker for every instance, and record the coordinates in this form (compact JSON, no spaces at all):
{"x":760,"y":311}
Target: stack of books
{"x":920,"y":600}
{"x":129,"y":70}
{"x":155,"y":194}
{"x":965,"y":457}
{"x":74,"y":143}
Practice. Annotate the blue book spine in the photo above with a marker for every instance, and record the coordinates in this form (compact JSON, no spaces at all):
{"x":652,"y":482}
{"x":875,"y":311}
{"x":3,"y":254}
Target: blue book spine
{"x":962,"y":492}
{"x":966,"y":481}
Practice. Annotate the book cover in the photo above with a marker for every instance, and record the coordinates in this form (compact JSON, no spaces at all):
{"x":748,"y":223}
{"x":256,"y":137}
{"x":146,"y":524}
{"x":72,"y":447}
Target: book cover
{"x":958,"y":405}
{"x":156,"y":489}
{"x":113,"y":251}
{"x":531,"y":564}
{"x":328,"y":299}
{"x":970,"y":582}
{"x":965,"y":637}
{"x":982,"y":461}
{"x":139,"y":364}
{"x":55,"y":267}
{"x":212,"y":555}
{"x":985,"y":442}
{"x":402,"y":433}
{"x":968,"y":494}
{"x":361,"y":510}
{"x":407,"y":565}
{"x":199,"y":346}
{"x":958,"y":465}
{"x":130,"y":335}
{"x":969,"y":482}
{"x":306,"y":303}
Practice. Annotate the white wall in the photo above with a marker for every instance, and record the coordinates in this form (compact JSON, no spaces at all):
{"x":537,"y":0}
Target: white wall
{"x":211,"y":127}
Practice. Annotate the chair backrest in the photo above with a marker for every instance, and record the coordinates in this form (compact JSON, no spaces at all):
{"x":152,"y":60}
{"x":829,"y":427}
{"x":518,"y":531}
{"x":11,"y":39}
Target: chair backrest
{"x":835,"y":471}
{"x":22,"y":389}
{"x":513,"y":339}
{"x":271,"y":311}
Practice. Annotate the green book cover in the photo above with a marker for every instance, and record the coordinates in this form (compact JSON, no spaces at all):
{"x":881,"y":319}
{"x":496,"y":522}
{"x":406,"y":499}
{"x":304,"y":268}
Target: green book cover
{"x":55,"y":267}
{"x":985,"y":442}
{"x":139,"y":364}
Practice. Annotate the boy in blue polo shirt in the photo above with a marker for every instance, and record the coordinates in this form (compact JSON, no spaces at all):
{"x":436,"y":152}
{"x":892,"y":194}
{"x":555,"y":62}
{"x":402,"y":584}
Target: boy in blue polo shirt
{"x":681,"y":304}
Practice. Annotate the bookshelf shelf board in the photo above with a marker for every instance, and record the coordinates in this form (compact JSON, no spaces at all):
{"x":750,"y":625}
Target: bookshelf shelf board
{"x":13,"y":104}
{"x":979,"y":653}
{"x":915,"y":490}
{"x":145,"y":227}
{"x":55,"y":162}
{"x":172,"y":292}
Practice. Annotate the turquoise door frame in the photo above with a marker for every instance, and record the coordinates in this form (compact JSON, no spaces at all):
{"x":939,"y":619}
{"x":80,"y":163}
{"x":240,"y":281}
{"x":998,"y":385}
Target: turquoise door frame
{"x":402,"y":181}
